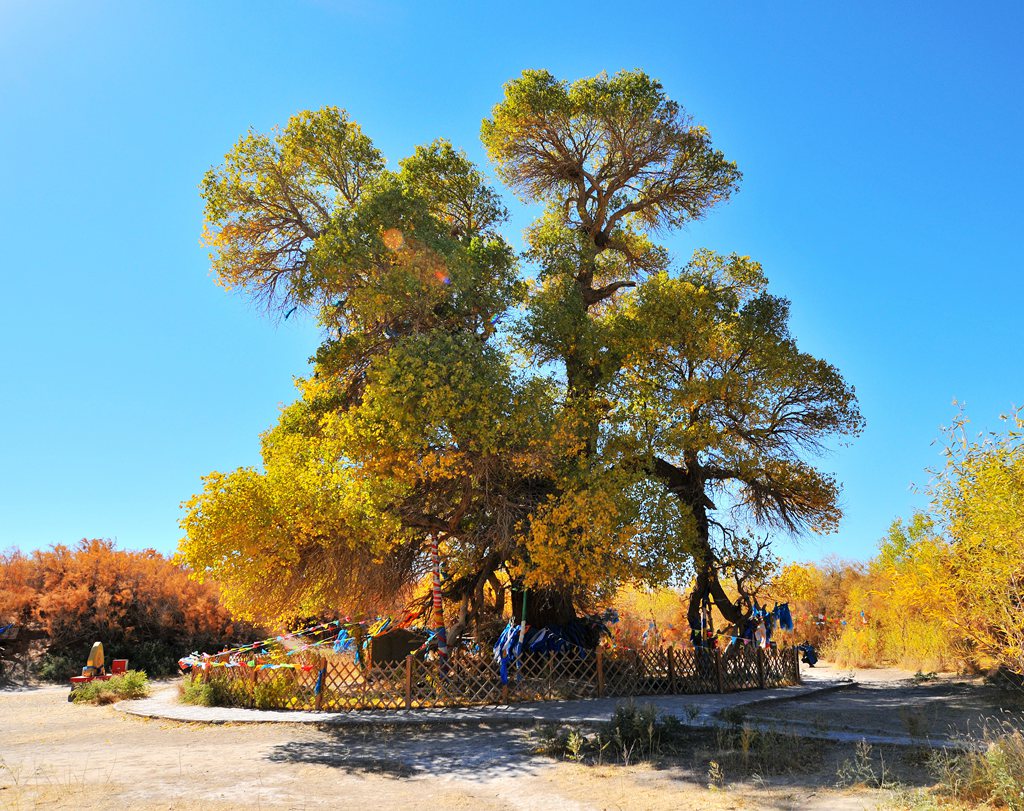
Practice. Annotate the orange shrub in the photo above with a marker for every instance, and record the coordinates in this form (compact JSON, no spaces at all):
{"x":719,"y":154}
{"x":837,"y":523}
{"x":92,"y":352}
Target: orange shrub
{"x":819,"y":597}
{"x":141,"y":605}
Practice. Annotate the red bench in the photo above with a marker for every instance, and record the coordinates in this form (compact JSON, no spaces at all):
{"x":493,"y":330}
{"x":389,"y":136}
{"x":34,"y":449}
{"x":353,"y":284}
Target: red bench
{"x":118,"y":667}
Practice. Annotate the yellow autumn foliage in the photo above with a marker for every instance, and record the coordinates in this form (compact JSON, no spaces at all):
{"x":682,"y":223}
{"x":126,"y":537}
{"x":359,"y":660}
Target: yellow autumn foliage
{"x":946,"y":588}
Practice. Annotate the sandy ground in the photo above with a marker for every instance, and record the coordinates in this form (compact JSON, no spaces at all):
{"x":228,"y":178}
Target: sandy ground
{"x":58,"y":755}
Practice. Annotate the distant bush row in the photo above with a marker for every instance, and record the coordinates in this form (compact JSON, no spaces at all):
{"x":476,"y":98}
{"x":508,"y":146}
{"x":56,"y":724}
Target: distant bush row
{"x":141,"y":605}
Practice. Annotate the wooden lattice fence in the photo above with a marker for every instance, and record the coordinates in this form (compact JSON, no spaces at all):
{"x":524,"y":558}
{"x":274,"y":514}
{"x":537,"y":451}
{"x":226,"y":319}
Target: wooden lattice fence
{"x":334,"y":682}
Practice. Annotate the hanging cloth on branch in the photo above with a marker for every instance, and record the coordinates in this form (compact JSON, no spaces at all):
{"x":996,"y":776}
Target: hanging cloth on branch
{"x":785,"y":617}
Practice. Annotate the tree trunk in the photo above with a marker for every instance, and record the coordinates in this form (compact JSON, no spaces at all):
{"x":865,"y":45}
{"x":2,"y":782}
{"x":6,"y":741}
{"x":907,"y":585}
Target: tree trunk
{"x":708,"y":589}
{"x":543,"y":606}
{"x":688,"y":485}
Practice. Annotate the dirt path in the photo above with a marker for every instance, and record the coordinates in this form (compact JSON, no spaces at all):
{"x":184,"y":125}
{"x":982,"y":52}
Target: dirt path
{"x":58,"y":755}
{"x":941,"y":709}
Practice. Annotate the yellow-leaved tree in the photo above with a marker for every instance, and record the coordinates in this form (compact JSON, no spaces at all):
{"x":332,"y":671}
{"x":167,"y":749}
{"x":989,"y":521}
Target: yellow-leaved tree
{"x":979,"y":500}
{"x":945,"y":587}
{"x":617,"y":418}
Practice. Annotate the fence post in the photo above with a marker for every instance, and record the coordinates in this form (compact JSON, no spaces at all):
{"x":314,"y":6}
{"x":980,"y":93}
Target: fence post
{"x":671,"y":669}
{"x":796,"y":666}
{"x":255,"y":678}
{"x":760,"y":667}
{"x":408,"y":682}
{"x":600,"y":673}
{"x":719,"y":671}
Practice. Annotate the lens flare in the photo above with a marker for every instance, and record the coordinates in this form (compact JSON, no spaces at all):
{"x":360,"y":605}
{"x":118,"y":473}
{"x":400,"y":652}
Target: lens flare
{"x":393,"y":239}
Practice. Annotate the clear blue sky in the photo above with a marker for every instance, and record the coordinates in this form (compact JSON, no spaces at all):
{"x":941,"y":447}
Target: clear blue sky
{"x":880,"y":143}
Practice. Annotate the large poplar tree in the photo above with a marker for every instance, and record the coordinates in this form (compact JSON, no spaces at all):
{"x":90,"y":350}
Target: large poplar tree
{"x":618,"y":417}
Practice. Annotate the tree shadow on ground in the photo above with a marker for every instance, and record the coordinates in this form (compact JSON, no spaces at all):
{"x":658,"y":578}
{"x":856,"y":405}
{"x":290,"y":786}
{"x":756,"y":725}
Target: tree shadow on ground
{"x":783,"y":761}
{"x":937,"y":712}
{"x":468,"y":752}
{"x":481,"y":753}
{"x":739,"y":754}
{"x":9,"y":686}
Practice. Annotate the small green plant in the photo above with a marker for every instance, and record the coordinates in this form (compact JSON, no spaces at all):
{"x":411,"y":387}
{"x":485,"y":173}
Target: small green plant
{"x":861,"y":770}
{"x":575,"y":745}
{"x":570,"y":743}
{"x":553,"y":740}
{"x":734,"y":716}
{"x":691,"y":711}
{"x":635,"y":731}
{"x":715,"y":775}
{"x":746,"y":739}
{"x":133,"y":684}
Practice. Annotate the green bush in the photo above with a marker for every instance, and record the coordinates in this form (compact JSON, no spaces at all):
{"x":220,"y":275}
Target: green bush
{"x":57,"y":667}
{"x":275,"y":693}
{"x":132,"y":684}
{"x":194,"y":691}
{"x":635,"y":732}
{"x":155,"y":657}
{"x":216,"y":693}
